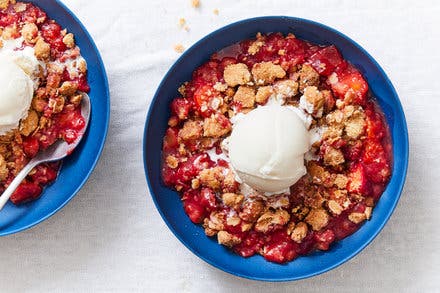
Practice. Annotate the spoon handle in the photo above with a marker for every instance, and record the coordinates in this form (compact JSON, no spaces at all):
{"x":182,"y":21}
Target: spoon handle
{"x":16,"y":182}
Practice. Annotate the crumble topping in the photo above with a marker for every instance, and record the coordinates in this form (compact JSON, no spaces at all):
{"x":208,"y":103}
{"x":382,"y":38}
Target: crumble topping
{"x":191,"y":130}
{"x":285,"y":89}
{"x":216,"y":126}
{"x":245,"y":96}
{"x":36,"y":40}
{"x":236,"y":74}
{"x":233,"y":200}
{"x":317,"y":218}
{"x":270,"y":219}
{"x":4,"y":171}
{"x":266,"y":72}
{"x":307,"y":77}
{"x":325,"y":205}
{"x":263,"y":94}
{"x":227,"y":239}
{"x":42,"y":49}
{"x":312,"y":101}
{"x":299,"y":232}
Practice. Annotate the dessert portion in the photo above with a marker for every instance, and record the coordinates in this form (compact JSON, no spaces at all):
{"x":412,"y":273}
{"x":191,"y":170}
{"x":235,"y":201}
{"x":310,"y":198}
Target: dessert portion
{"x":279,"y":140}
{"x":42,"y":77}
{"x":16,"y":94}
{"x":276,"y":147}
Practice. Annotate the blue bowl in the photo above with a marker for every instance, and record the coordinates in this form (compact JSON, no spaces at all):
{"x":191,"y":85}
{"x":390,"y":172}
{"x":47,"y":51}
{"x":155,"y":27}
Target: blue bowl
{"x":168,"y":202}
{"x":77,"y":167}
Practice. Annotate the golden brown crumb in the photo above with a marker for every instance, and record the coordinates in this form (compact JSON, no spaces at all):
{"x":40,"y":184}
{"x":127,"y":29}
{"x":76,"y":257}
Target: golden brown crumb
{"x":215,"y":221}
{"x":195,"y":183}
{"x":20,"y":7}
{"x":82,"y":66}
{"x":267,"y":72}
{"x":341,"y":181}
{"x":68,"y":88}
{"x":245,"y":95}
{"x":317,"y":218}
{"x":255,"y":47}
{"x":236,"y":74}
{"x":308,"y":77}
{"x":227,"y":239}
{"x":76,"y":100}
{"x":57,"y":104}
{"x":368,"y":211}
{"x":229,"y":181}
{"x":270,"y":219}
{"x":191,"y":130}
{"x":4,"y":4}
{"x":355,"y":125}
{"x":251,"y":211}
{"x":172,"y":161}
{"x":10,"y":32}
{"x":233,"y":221}
{"x":232,"y":200}
{"x":3,"y":168}
{"x":29,"y":32}
{"x":357,"y":217}
{"x":179,"y":48}
{"x":42,"y":49}
{"x":263,"y":94}
{"x":29,"y":124}
{"x":334,"y":207}
{"x":333,"y":157}
{"x":212,"y":127}
{"x":314,"y":97}
{"x":69,"y":41}
{"x":299,"y":232}
{"x":182,"y":22}
{"x":195,"y":3}
{"x":212,"y":177}
{"x":319,"y":175}
{"x":221,"y":87}
{"x":215,"y":11}
{"x":286,"y":88}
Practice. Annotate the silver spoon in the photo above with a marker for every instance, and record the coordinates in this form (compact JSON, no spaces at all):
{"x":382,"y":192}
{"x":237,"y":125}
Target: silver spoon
{"x":59,"y":150}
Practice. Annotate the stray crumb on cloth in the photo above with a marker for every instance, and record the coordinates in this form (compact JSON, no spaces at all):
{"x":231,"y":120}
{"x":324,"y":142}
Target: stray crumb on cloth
{"x":179,"y":48}
{"x":182,"y":22}
{"x":216,"y":11}
{"x":195,"y":3}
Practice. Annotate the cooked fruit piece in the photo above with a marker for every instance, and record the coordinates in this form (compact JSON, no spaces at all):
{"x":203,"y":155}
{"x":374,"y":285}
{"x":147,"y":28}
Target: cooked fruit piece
{"x":26,"y":191}
{"x":349,"y":84}
{"x":207,"y":100}
{"x":181,"y":107}
{"x":326,"y":60}
{"x":357,"y":179}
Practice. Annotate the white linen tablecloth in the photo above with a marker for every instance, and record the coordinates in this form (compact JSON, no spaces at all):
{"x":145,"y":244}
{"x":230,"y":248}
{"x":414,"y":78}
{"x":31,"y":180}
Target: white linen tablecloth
{"x":110,"y":238}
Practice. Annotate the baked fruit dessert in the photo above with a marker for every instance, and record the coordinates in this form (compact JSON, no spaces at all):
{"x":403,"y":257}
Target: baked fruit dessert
{"x":42,"y":77}
{"x":276,"y":147}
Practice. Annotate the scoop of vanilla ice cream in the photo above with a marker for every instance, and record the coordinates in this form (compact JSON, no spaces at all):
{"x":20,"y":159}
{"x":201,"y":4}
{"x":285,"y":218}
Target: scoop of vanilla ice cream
{"x":16,"y":92}
{"x":267,"y":147}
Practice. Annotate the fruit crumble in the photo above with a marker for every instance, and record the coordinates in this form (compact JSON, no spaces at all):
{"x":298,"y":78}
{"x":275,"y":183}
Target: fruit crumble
{"x":48,"y":58}
{"x":347,"y":163}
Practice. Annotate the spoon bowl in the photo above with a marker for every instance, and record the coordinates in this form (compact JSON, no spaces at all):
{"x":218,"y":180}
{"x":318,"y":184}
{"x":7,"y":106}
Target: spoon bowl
{"x":59,"y":150}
